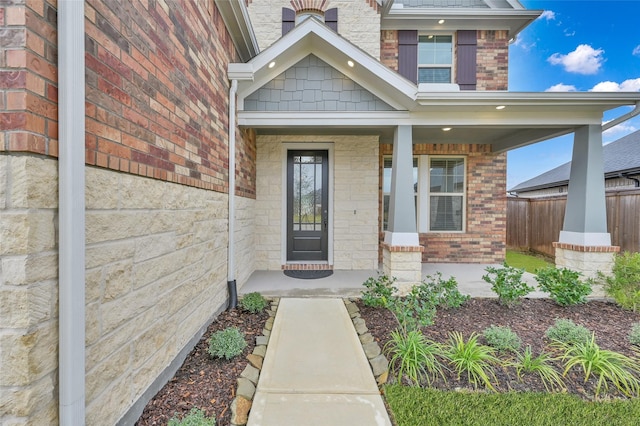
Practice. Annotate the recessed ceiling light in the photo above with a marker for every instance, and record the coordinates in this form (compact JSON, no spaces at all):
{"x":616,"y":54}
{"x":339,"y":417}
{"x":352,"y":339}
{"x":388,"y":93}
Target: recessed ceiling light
{"x":350,"y":63}
{"x":501,"y":107}
{"x":272,"y":64}
{"x":446,"y":129}
{"x":441,"y":21}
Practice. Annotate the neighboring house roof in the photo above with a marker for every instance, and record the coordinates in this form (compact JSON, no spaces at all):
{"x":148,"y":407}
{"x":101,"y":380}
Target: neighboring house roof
{"x":619,"y":157}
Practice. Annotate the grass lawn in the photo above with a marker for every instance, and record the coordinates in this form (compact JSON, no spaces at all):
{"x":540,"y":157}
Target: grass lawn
{"x":420,"y":407}
{"x":527,"y":261}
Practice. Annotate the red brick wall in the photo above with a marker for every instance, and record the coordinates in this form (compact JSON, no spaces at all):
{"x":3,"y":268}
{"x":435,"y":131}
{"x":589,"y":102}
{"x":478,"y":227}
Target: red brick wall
{"x":484,"y":239}
{"x":28,"y":77}
{"x":493,"y":60}
{"x":156,"y":89}
{"x":389,"y":48}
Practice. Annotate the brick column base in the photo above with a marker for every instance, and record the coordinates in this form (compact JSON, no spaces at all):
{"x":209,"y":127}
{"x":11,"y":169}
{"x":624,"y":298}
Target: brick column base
{"x":588,"y":260}
{"x":403,"y":263}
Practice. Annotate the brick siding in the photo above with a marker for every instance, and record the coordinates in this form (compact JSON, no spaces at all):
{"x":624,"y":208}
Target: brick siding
{"x":493,"y":60}
{"x":484,"y":239}
{"x":389,"y":48}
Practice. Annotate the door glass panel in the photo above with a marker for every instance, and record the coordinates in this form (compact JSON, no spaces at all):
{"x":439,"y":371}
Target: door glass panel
{"x":307,"y":193}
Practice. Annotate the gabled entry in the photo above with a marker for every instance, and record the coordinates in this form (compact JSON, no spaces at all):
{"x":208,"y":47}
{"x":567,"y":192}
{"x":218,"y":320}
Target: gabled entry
{"x":307,"y":205}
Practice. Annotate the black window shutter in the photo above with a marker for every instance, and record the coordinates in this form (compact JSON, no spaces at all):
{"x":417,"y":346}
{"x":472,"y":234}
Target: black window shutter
{"x":467,"y":43}
{"x":331,"y":18}
{"x":408,"y":54}
{"x":288,"y":20}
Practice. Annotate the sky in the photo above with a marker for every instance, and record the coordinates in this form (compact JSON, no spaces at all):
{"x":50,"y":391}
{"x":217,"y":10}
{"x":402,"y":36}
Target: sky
{"x":575,"y":45}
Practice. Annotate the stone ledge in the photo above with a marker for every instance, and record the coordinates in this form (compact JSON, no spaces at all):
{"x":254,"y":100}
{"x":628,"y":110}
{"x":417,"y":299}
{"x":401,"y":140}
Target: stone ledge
{"x":377,"y":361}
{"x":586,"y":249}
{"x":248,"y":380}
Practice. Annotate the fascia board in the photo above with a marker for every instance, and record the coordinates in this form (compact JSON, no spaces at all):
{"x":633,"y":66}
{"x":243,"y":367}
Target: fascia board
{"x":236,"y":18}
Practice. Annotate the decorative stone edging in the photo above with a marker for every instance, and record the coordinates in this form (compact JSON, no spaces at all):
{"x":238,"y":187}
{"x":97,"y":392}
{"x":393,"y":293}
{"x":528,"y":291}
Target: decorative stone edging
{"x":248,"y":379}
{"x":377,"y":360}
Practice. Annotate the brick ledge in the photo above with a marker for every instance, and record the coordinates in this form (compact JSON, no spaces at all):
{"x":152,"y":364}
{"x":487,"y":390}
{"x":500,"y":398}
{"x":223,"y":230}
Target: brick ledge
{"x":403,"y":249}
{"x":587,"y":249}
{"x":307,"y":267}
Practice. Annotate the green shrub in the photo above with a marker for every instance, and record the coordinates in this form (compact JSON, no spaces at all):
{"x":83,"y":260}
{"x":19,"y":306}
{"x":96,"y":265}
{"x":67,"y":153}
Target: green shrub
{"x":634,"y":334}
{"x":624,"y":282}
{"x":445,"y":291}
{"x":253,"y":302}
{"x":566,"y":331}
{"x":227,"y":343}
{"x":501,"y":338}
{"x":415,"y":310}
{"x":540,"y":365}
{"x":472,"y":358}
{"x":195,"y":417}
{"x":379,"y":291}
{"x":607,"y":366}
{"x":563,"y":285}
{"x":414,"y":356}
{"x":507,"y":283}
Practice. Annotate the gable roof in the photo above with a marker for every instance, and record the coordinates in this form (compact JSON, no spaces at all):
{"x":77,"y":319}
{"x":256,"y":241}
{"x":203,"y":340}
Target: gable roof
{"x":620,"y":156}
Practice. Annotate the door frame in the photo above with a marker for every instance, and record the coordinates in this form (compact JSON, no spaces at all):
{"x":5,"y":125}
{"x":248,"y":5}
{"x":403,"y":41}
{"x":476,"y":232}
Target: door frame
{"x":294,"y":146}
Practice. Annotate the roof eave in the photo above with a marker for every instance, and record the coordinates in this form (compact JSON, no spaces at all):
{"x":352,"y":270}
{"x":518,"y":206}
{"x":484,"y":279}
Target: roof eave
{"x":236,"y":18}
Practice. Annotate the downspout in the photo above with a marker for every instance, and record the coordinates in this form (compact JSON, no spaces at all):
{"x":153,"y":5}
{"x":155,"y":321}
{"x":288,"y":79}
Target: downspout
{"x":71,"y":212}
{"x":231,"y":256}
{"x":635,"y":111}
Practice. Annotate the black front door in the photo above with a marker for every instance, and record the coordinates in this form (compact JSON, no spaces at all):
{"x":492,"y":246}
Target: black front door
{"x":307,"y":204}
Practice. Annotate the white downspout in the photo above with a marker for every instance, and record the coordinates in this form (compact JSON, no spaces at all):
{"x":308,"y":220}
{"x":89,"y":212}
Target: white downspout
{"x":231,"y":257}
{"x":71,"y":212}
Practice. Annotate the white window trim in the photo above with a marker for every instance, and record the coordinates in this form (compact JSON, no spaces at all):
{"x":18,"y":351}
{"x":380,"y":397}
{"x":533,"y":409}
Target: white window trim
{"x":452,"y":66}
{"x":423,"y":195}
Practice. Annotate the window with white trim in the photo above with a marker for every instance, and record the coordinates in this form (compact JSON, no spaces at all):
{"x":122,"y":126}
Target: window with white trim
{"x":435,"y":58}
{"x":440,"y":192}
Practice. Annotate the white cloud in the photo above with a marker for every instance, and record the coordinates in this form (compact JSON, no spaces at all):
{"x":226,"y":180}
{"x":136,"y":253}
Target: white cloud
{"x":616,"y":132}
{"x":568,"y":33}
{"x":631,"y":85}
{"x":549,"y":15}
{"x":584,"y":60}
{"x":560,"y":87}
{"x":636,"y":51}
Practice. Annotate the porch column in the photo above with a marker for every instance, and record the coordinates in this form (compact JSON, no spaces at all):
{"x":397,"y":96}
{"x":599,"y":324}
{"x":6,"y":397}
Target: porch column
{"x":584,"y":244}
{"x":402,"y":253}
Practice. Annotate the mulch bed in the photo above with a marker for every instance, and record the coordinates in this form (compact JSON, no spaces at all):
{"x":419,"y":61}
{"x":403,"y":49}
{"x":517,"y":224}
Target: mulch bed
{"x":204,"y":382}
{"x":529,"y":321}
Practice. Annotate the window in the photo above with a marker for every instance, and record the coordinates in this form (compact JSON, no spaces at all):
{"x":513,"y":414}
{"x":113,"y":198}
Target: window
{"x":435,"y":58}
{"x":440,"y":192}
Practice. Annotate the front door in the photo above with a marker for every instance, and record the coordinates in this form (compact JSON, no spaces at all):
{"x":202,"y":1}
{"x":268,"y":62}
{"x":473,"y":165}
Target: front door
{"x":307,"y":204}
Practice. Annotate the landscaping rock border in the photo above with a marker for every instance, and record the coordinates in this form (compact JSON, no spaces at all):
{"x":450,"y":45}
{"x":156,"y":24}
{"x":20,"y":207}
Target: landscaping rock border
{"x":378,"y":362}
{"x":248,"y":380}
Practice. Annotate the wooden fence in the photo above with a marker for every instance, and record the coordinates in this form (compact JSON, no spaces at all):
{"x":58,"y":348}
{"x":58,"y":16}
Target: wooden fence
{"x":535,"y":223}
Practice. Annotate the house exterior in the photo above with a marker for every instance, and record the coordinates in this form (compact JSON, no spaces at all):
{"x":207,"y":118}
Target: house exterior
{"x":621,"y":164}
{"x":156,"y":153}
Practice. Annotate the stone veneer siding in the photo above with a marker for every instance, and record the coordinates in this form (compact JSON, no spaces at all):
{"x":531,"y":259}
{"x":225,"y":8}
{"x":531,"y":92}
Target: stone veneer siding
{"x":358,"y":22}
{"x":156,"y":130}
{"x":492,"y":57}
{"x":354,"y":215}
{"x":484,"y":238}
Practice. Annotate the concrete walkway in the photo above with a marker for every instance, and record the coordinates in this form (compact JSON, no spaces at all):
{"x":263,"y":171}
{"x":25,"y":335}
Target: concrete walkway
{"x":315,"y":371}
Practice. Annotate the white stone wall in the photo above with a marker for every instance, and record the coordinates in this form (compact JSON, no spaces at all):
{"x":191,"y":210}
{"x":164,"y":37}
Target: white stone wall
{"x":28,"y":290}
{"x":355,"y":206}
{"x":587,"y":263}
{"x":358,"y":22}
{"x":405,"y":266}
{"x":156,"y":272}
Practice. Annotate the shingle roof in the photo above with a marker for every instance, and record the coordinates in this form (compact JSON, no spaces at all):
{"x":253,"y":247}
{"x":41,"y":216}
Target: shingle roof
{"x":619,"y":156}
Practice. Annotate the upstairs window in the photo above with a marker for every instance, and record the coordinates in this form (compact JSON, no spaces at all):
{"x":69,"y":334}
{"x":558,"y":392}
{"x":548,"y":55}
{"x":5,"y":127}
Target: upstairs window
{"x":435,"y":58}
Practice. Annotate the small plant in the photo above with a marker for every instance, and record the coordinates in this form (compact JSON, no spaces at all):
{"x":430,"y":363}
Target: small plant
{"x":253,"y":302}
{"x":507,"y":283}
{"x":415,"y":356}
{"x":634,"y":334}
{"x":195,"y":417}
{"x":624,"y":282}
{"x":379,"y":291}
{"x":540,"y":365}
{"x":472,"y":358}
{"x":607,"y":366}
{"x":227,"y":343}
{"x":563,"y":285}
{"x":445,"y":291}
{"x":501,"y":338}
{"x":417,"y":309}
{"x":567,"y":332}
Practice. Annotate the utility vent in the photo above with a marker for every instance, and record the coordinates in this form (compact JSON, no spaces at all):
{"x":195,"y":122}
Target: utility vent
{"x":305,"y":9}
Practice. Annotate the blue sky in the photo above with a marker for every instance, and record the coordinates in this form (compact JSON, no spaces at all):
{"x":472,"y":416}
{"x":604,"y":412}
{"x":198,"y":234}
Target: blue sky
{"x":576,"y":45}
